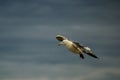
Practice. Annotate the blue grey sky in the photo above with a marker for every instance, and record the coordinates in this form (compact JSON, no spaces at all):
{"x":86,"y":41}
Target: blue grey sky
{"x":28,"y":48}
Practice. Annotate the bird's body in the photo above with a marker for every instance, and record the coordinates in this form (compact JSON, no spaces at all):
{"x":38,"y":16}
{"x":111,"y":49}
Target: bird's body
{"x":69,"y":45}
{"x":75,"y":47}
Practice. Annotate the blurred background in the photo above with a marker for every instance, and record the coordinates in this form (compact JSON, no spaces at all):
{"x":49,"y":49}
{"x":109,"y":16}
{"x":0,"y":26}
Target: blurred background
{"x":28,"y":48}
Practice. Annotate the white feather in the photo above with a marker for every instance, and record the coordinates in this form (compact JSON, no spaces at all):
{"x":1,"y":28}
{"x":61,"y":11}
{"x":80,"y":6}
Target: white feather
{"x":87,"y":48}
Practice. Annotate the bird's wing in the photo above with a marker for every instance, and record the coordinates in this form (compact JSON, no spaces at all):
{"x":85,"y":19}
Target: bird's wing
{"x":86,"y":50}
{"x":60,"y":38}
{"x":79,"y":45}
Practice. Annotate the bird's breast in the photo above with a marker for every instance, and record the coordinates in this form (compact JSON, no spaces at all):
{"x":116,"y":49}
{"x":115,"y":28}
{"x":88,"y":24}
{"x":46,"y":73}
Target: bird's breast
{"x":72,"y":49}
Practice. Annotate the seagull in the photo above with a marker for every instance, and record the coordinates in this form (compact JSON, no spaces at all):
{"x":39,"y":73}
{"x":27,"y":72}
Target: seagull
{"x":75,"y":47}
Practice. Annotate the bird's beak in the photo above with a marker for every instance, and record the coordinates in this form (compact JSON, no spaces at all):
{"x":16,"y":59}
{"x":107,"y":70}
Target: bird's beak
{"x":61,"y":43}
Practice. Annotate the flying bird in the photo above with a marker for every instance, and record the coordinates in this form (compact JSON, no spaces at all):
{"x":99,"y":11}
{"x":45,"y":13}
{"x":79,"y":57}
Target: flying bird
{"x":75,"y":47}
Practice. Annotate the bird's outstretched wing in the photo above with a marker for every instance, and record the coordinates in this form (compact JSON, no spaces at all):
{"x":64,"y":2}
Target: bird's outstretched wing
{"x":89,"y":52}
{"x":60,"y":38}
{"x":79,"y":45}
{"x":86,"y":50}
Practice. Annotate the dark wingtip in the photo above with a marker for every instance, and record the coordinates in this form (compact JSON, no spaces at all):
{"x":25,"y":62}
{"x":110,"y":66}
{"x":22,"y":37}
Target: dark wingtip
{"x":81,"y":55}
{"x":93,"y":55}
